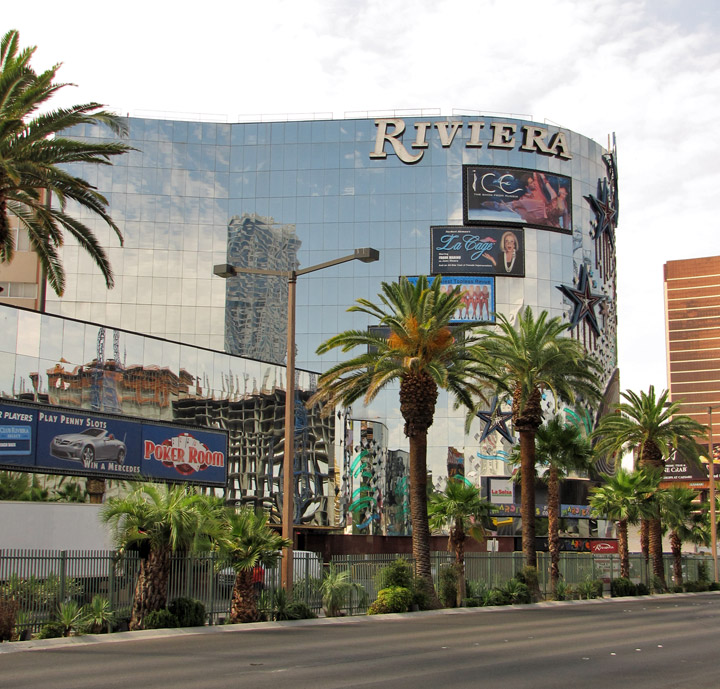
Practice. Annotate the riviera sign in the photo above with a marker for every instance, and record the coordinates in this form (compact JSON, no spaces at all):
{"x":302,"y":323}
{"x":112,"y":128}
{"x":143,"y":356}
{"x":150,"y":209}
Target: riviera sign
{"x":504,"y":135}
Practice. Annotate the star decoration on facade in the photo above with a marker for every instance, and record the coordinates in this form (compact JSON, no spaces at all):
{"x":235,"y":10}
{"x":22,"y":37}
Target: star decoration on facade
{"x":603,"y":205}
{"x":584,"y":301}
{"x":496,"y":420}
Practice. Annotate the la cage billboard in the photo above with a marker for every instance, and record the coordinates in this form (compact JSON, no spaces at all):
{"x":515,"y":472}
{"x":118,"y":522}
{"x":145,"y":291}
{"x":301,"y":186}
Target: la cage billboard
{"x":55,"y":440}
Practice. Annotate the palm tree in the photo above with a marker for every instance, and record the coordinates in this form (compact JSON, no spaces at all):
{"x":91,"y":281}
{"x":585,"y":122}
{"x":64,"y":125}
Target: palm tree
{"x":625,"y":497}
{"x":32,"y":156}
{"x":560,"y":448}
{"x":652,"y":428}
{"x":676,"y":506}
{"x":529,"y":360}
{"x":248,"y":542}
{"x":156,"y":523}
{"x":423,"y":354}
{"x":461,"y":510}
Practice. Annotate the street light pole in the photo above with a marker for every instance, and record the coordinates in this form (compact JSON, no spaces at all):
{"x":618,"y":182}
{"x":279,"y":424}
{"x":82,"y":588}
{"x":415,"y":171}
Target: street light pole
{"x":226,"y":270}
{"x":711,"y":477}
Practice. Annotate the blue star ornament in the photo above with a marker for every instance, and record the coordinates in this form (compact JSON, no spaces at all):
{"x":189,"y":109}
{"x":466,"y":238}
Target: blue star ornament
{"x":496,"y":420}
{"x":603,"y":205}
{"x":584,"y":301}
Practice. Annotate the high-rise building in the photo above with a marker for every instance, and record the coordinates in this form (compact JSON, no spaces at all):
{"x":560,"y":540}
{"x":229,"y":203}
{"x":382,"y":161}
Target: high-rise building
{"x":692,"y":321}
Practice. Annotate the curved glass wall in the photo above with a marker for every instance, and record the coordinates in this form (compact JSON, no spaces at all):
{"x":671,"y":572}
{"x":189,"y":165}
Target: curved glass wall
{"x":300,"y":193}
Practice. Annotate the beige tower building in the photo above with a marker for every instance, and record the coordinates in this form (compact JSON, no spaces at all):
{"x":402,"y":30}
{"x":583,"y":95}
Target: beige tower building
{"x":692,"y":326}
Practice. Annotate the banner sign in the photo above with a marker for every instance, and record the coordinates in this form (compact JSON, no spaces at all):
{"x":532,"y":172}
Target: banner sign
{"x":678,"y":468}
{"x":62,"y":441}
{"x":477,"y":251}
{"x":566,"y":511}
{"x":516,"y":195}
{"x":478,"y":295}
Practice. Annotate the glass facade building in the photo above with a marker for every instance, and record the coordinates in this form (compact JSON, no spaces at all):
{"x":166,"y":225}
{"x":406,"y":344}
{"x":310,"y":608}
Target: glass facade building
{"x":430,"y":193}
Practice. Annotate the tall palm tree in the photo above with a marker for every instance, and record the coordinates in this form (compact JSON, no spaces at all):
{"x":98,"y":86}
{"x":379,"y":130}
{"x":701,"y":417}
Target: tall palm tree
{"x":626,"y":498}
{"x":248,"y":542}
{"x":652,"y":428}
{"x":422,"y":353}
{"x":528,"y":360}
{"x":156,"y":522}
{"x":32,"y":156}
{"x":560,"y":448}
{"x":461,"y":510}
{"x":676,"y":506}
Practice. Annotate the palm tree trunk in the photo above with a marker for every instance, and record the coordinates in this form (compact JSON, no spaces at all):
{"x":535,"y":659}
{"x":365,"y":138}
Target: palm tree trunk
{"x":553,"y":521}
{"x":527,"y":504}
{"x":243,"y":607}
{"x":419,"y":514}
{"x":151,"y":586}
{"x":656,"y":553}
{"x":622,"y":529}
{"x":676,"y":546}
{"x":457,"y":534}
{"x":645,"y":539}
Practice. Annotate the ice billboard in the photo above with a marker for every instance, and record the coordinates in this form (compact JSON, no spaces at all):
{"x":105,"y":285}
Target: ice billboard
{"x":515,"y":195}
{"x":63,"y":441}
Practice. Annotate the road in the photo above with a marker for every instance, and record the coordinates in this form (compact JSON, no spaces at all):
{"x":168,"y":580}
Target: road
{"x":661,"y":642}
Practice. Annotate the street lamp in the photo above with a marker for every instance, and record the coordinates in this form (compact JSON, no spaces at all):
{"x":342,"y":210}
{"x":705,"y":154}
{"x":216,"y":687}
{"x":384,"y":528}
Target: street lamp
{"x":711,"y":477}
{"x":226,"y":270}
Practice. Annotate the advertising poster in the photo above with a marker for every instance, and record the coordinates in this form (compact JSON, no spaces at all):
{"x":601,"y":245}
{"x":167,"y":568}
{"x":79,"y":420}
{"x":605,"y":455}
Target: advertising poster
{"x":502,"y":491}
{"x":17,"y":435}
{"x":194,"y":455}
{"x":64,"y":441}
{"x":477,"y":251}
{"x":679,"y":468}
{"x":478,"y":295}
{"x":515,"y":195}
{"x":88,"y":442}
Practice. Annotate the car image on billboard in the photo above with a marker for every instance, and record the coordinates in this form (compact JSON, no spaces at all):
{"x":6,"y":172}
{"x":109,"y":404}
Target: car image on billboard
{"x":89,"y":446}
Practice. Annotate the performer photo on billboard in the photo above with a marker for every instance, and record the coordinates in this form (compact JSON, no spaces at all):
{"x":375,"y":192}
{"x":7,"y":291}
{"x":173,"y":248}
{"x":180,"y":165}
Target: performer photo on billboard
{"x":541,"y":199}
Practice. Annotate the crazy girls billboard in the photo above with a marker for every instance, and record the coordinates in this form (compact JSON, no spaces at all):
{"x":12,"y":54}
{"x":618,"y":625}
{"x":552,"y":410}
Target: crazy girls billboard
{"x":478,"y":297}
{"x":55,"y":440}
{"x":515,"y":195}
{"x":458,"y":250}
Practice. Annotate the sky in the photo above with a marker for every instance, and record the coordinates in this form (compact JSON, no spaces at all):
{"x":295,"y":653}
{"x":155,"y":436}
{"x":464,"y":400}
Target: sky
{"x":646,"y":71}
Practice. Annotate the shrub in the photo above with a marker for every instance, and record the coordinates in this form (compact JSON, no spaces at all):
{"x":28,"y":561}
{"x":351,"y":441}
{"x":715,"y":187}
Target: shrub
{"x":677,"y":588}
{"x":397,"y":573}
{"x":51,"y":630}
{"x":189,"y":612}
{"x":642,"y":590}
{"x":473,"y":602}
{"x":563,"y":591}
{"x":70,"y":616}
{"x":298,"y":610}
{"x":517,"y":592}
{"x":657,"y":585}
{"x":714,"y":586}
{"x":8,"y":615}
{"x":622,"y":586}
{"x":496,"y":596}
{"x":697,"y":586}
{"x":98,"y":615}
{"x":161,"y":619}
{"x":702,"y":571}
{"x":590,"y":588}
{"x":475,"y":589}
{"x":447,"y":585}
{"x":529,"y":576}
{"x":421,"y":596}
{"x":391,"y":599}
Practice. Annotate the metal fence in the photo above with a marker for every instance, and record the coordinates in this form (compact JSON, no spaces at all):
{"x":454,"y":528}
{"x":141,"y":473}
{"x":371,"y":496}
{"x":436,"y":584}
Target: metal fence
{"x":40,"y":580}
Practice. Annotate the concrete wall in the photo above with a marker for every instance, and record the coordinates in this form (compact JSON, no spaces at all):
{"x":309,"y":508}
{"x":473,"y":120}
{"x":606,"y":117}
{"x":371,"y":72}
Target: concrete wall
{"x":52,"y":526}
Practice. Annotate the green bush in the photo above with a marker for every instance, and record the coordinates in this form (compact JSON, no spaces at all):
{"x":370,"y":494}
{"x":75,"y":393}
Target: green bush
{"x":677,"y":589}
{"x":697,"y":586}
{"x":517,"y":592}
{"x":297,"y":610}
{"x":473,"y":602}
{"x":622,"y":586}
{"x":702,"y":571}
{"x":397,"y":573}
{"x":642,"y":590}
{"x":421,"y":596}
{"x":563,"y":591}
{"x":391,"y":599}
{"x":529,"y":576}
{"x":496,"y":596}
{"x":447,"y":586}
{"x":161,"y":619}
{"x":714,"y":586}
{"x":590,"y":588}
{"x":51,"y":630}
{"x":189,"y":612}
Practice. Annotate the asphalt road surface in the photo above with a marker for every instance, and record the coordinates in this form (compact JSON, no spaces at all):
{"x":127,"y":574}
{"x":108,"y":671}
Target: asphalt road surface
{"x":658,"y":642}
